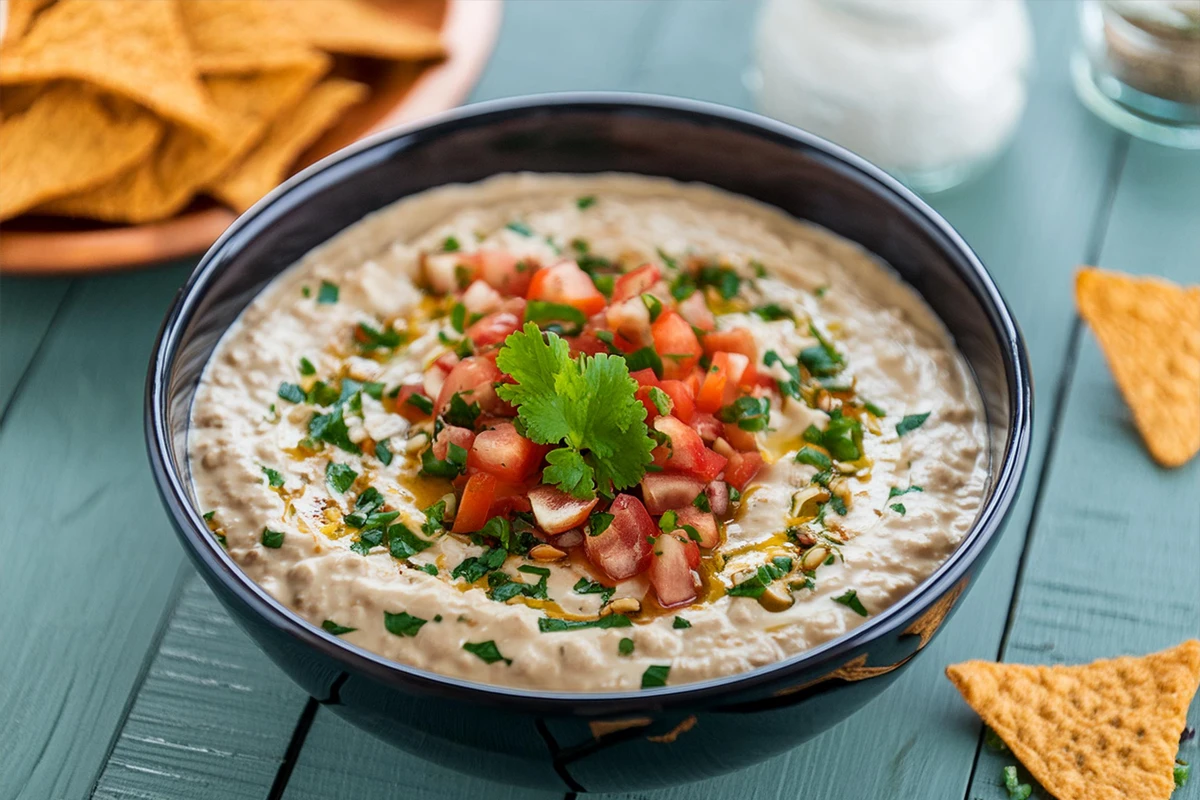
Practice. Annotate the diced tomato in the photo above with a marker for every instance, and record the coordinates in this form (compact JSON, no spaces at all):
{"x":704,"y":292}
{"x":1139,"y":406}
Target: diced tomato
{"x":435,"y":376}
{"x":742,"y":468}
{"x":694,"y":380}
{"x":474,"y":378}
{"x":475,"y":503}
{"x":709,"y":427}
{"x":452,"y":434}
{"x":646,"y":380}
{"x":742,"y":440}
{"x":686,"y":452}
{"x":630,"y":322}
{"x":676,"y":344}
{"x":718,"y":497}
{"x":448,"y":272}
{"x":510,"y":497}
{"x":566,"y":283}
{"x":736,"y":340}
{"x":633,"y":283}
{"x":586,"y":343}
{"x":505,"y":453}
{"x":682,"y":404}
{"x":493,"y":329}
{"x":663,"y":492}
{"x":406,"y":409}
{"x":503,"y":271}
{"x":479,"y":298}
{"x":622,"y":549}
{"x":556,"y":511}
{"x":671,"y":571}
{"x":695,"y":310}
{"x":704,"y":523}
{"x":712,"y":391}
{"x":734,"y":364}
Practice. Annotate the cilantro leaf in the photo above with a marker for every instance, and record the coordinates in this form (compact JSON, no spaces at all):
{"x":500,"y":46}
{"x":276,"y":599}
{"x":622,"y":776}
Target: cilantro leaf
{"x":851,"y":601}
{"x":328,"y":293}
{"x":555,"y":625}
{"x":339,"y":476}
{"x":460,"y":413}
{"x":272,"y":539}
{"x":403,"y":543}
{"x":680,"y":623}
{"x":487,"y":651}
{"x":402,"y":624}
{"x":625,"y":646}
{"x":587,"y":405}
{"x":274,"y":479}
{"x":911,"y":422}
{"x":655,"y":675}
{"x":585,"y":586}
{"x":336,"y":629}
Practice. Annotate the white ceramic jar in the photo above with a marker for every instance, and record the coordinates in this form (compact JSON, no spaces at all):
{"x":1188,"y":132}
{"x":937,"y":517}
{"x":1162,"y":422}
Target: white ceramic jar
{"x":931,"y":90}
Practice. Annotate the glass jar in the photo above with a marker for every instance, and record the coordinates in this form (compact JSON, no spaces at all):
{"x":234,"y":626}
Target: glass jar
{"x":930,"y":90}
{"x":1138,"y":67}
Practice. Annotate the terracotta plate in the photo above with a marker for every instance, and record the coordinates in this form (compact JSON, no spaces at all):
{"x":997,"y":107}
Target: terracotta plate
{"x":400,"y":93}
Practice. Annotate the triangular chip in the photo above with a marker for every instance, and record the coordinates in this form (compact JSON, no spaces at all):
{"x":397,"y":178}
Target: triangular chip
{"x":289,"y":136}
{"x":70,"y":139}
{"x":1149,"y":329}
{"x":20,"y":14}
{"x":240,"y":36}
{"x":132,"y":48}
{"x":1108,"y":730}
{"x":357,"y":28}
{"x":184,"y":162}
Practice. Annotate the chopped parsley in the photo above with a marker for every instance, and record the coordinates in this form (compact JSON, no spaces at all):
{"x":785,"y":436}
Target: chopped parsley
{"x":1016,"y":789}
{"x":460,"y":413}
{"x":814,"y":458}
{"x":1183,"y":771}
{"x":822,"y":359}
{"x":306,"y":367}
{"x":842,"y":437}
{"x":473,"y":568}
{"x":291,"y":392}
{"x":750,"y":413}
{"x":790,"y":387}
{"x":487,"y":651}
{"x":272,"y":539}
{"x":851,"y":601}
{"x":305,"y":291}
{"x":895,"y":491}
{"x":366,"y":540}
{"x":520,"y":227}
{"x":430,"y":569}
{"x":335,"y":629}
{"x":549,"y":316}
{"x":587,"y":406}
{"x":555,"y":625}
{"x":332,"y":428}
{"x":340,"y":477}
{"x":645,"y":358}
{"x":661,"y":400}
{"x":585,"y":586}
{"x":420,"y":402}
{"x":208,"y":515}
{"x":756,"y":584}
{"x":598,"y":523}
{"x":702,"y":502}
{"x":402,"y":624}
{"x":625,"y":646}
{"x":274,"y":479}
{"x":450,"y":245}
{"x":328,"y":293}
{"x":585,"y":202}
{"x":372,"y":338}
{"x":435,"y":517}
{"x":458,"y":317}
{"x":773,"y":311}
{"x":898,"y":508}
{"x":725,"y":280}
{"x":911,"y":422}
{"x":403,"y":543}
{"x":451,"y":467}
{"x":653,"y":305}
{"x":874,"y":409}
{"x":383,"y":452}
{"x":679,"y":623}
{"x":505,"y":588}
{"x":655,"y":675}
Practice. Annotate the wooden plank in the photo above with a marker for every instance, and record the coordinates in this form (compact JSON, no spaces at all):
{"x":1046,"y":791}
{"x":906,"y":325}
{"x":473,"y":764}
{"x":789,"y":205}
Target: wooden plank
{"x":83,"y":538}
{"x":27,"y":307}
{"x":213,"y":716}
{"x":1111,"y":567}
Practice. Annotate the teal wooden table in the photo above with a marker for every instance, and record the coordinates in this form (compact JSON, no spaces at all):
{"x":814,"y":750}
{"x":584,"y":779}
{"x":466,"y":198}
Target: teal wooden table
{"x":120,"y":676}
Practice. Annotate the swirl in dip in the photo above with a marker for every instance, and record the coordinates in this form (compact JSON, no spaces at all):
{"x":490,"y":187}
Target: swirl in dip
{"x":587,"y":433}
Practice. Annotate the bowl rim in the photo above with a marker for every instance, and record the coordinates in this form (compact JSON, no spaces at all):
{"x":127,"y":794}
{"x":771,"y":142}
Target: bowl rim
{"x":204,"y":549}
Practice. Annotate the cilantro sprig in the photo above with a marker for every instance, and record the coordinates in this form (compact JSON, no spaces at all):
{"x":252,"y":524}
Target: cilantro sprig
{"x":586,"y":405}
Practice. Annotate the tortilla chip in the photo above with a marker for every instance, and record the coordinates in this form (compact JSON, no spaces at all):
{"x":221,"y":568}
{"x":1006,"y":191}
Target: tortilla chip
{"x":184,"y":162}
{"x":132,"y":48}
{"x":20,"y":14}
{"x":357,"y":28}
{"x":239,"y":36}
{"x":1149,"y":330}
{"x":289,"y":136}
{"x":1108,"y":730}
{"x":69,"y":140}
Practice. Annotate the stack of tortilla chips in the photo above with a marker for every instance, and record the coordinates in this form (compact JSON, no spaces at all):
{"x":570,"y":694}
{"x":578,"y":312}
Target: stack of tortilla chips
{"x":126,"y":110}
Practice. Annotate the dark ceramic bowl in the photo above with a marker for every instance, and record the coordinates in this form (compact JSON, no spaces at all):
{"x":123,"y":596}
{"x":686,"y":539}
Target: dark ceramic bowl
{"x":626,"y":740}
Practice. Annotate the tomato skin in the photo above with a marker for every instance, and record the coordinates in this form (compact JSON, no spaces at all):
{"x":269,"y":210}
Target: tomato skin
{"x":663,"y":492}
{"x":736,"y":340}
{"x":742,"y":440}
{"x":671,"y":571}
{"x":712,"y":391}
{"x":452,"y":434}
{"x":406,"y":409}
{"x":629,"y":321}
{"x":742,"y":468}
{"x":682,"y":404}
{"x":503,"y":271}
{"x":474,"y":378}
{"x":509,"y":497}
{"x":635,"y":282}
{"x":686,"y":453}
{"x":646,"y":381}
{"x":566,"y":283}
{"x":676,"y":343}
{"x":505,"y":453}
{"x":703,"y":521}
{"x":623,"y":549}
{"x":475,"y":503}
{"x":586,"y":343}
{"x":709,"y":427}
{"x":556,"y":511}
{"x":493,"y":329}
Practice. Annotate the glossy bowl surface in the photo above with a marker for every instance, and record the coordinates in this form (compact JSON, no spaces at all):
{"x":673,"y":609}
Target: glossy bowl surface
{"x":620,"y":740}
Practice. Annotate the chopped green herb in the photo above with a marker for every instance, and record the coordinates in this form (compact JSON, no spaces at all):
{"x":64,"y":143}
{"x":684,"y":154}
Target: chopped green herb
{"x":911,"y":422}
{"x":874,"y":409}
{"x":366,"y":540}
{"x":340,"y":477}
{"x":453,"y":465}
{"x":458,"y":317}
{"x":662,"y":400}
{"x":655,"y":675}
{"x":402,"y":624}
{"x":598,"y":523}
{"x":756,"y":584}
{"x":645,"y":358}
{"x":653,"y":305}
{"x":545,"y":314}
{"x":335,"y":629}
{"x":434,"y":519}
{"x":759,"y":270}
{"x":473,"y":568}
{"x":328,"y":293}
{"x":487,"y":651}
{"x":1016,"y":790}
{"x":555,"y":625}
{"x":701,"y":502}
{"x":274,"y":479}
{"x":897,"y":492}
{"x":587,"y":201}
{"x":735,"y":495}
{"x":842,"y":437}
{"x":625,"y":646}
{"x":450,"y":245}
{"x":430,"y":569}
{"x":838,"y":505}
{"x":898,"y":508}
{"x":750,"y":413}
{"x":403,"y":543}
{"x":208,"y":515}
{"x":371,"y":338}
{"x":291,"y":392}
{"x":306,"y":367}
{"x":822,"y":359}
{"x":851,"y":601}
{"x":305,"y":291}
{"x":993,"y":740}
{"x":383,"y":453}
{"x":459,"y":413}
{"x":332,"y":428}
{"x":679,"y":623}
{"x":1183,"y":771}
{"x":814,"y":458}
{"x":725,"y":280}
{"x":666,"y":259}
{"x":272,"y":539}
{"x":773,"y":311}
{"x":322,"y":394}
{"x":420,"y":402}
{"x":520,"y":227}
{"x":820,"y":291}
{"x":585,"y":586}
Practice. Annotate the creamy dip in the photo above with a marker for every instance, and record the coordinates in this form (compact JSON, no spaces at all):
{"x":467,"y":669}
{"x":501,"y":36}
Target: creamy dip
{"x":829,"y":543}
